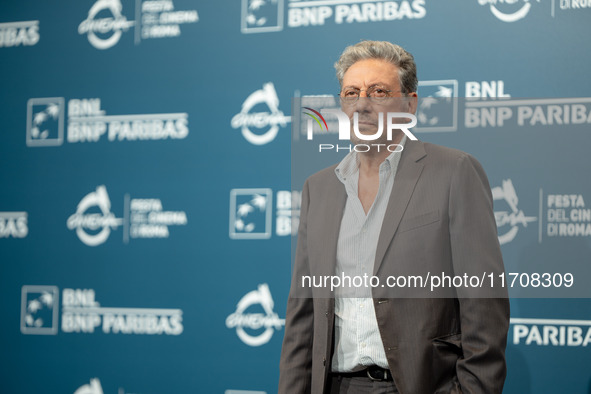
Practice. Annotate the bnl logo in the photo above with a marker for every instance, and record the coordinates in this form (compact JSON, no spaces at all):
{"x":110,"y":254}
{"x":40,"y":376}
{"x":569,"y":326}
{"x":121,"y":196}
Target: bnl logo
{"x":438,"y":106}
{"x":250,"y":213}
{"x":392,"y":123}
{"x":39,"y":310}
{"x":261,"y":16}
{"x":45,"y":121}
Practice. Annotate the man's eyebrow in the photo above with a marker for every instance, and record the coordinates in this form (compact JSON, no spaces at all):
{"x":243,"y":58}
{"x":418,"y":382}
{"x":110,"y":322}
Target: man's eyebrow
{"x":377,"y":84}
{"x":380,"y":84}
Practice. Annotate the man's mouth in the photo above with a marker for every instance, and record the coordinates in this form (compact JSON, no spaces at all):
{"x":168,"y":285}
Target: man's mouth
{"x":369,"y":122}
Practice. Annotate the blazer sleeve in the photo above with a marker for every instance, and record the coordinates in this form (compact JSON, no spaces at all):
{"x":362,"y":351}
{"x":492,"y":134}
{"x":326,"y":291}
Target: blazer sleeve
{"x":295,"y":366}
{"x":484,"y":312}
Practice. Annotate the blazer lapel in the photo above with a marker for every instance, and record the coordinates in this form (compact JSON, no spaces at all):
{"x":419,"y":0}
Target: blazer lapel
{"x":407,"y":175}
{"x":336,"y":198}
{"x":334,"y":206}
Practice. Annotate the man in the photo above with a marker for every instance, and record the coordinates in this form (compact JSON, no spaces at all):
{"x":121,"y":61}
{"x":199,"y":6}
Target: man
{"x":427,"y":209}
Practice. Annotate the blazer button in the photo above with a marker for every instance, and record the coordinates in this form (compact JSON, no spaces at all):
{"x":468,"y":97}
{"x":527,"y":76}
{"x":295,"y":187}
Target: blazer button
{"x":326,"y":313}
{"x":324,"y":361}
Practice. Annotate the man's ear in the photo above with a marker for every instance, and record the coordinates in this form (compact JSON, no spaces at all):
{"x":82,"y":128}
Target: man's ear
{"x":412,"y":102}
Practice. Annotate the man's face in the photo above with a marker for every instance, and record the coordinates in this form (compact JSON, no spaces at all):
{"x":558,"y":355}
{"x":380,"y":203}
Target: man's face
{"x":374,"y":75}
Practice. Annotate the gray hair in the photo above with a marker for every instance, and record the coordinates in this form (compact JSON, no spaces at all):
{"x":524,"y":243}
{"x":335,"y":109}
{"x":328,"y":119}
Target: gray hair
{"x":384,"y":50}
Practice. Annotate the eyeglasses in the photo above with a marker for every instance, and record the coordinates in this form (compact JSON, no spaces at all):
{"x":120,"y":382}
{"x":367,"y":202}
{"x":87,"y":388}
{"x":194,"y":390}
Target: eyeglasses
{"x":375,"y":93}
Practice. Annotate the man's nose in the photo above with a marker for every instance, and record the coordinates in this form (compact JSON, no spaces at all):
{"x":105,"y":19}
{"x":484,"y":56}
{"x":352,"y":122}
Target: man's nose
{"x":363,"y":104}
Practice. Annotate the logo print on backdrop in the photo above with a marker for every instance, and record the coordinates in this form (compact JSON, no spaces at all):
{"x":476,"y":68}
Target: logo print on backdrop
{"x":512,"y":218}
{"x":261,"y":16}
{"x":105,"y":23}
{"x":94,"y":387}
{"x":250,"y":213}
{"x":246,"y":120}
{"x":105,"y":220}
{"x":39,"y":310}
{"x":88,"y":122}
{"x":438,"y":110}
{"x":143,"y":218}
{"x":510,"y":13}
{"x":269,"y":321}
{"x":45,"y":121}
{"x":566,"y":215}
{"x":105,"y":31}
{"x":82,"y":313}
{"x":13,"y":34}
{"x":13,"y":224}
{"x":551,"y":332}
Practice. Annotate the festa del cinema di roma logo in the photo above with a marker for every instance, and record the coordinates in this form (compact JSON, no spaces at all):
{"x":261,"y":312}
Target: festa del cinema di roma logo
{"x":94,"y":387}
{"x":268,"y":321}
{"x":105,"y":32}
{"x":86,"y":224}
{"x":106,"y":23}
{"x":268,"y":122}
{"x":392,"y":123}
{"x":508,"y":10}
{"x":145,"y":218}
{"x":508,"y":221}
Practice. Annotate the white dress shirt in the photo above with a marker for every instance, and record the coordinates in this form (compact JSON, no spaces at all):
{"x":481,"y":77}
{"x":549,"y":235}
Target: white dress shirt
{"x":357,"y":338}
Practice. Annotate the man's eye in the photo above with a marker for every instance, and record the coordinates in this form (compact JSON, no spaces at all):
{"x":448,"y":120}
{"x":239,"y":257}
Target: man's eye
{"x":379,"y":92}
{"x":350,"y":93}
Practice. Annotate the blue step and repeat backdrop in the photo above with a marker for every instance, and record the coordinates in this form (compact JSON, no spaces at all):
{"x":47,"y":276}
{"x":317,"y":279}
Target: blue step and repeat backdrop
{"x":146,"y":207}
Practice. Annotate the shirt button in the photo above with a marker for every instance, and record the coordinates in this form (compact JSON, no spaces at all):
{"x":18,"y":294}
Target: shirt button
{"x":363,"y":344}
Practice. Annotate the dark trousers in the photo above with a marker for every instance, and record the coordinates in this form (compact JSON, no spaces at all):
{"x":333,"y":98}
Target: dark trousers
{"x":346,"y":385}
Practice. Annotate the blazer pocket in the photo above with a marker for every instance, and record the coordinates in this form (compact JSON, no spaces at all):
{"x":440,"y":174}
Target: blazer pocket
{"x":453,"y":341}
{"x":447,"y":351}
{"x":419,"y":221}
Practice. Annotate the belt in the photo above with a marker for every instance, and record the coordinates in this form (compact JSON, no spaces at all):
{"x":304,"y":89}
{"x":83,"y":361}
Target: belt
{"x":374,"y":373}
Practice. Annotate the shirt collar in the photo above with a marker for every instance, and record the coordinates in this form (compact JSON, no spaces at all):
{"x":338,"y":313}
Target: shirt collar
{"x":350,"y":163}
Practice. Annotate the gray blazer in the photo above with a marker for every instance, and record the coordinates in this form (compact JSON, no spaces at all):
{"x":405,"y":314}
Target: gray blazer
{"x":439,"y":219}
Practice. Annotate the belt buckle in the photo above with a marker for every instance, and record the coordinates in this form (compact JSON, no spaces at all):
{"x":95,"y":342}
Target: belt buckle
{"x":384,"y":376}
